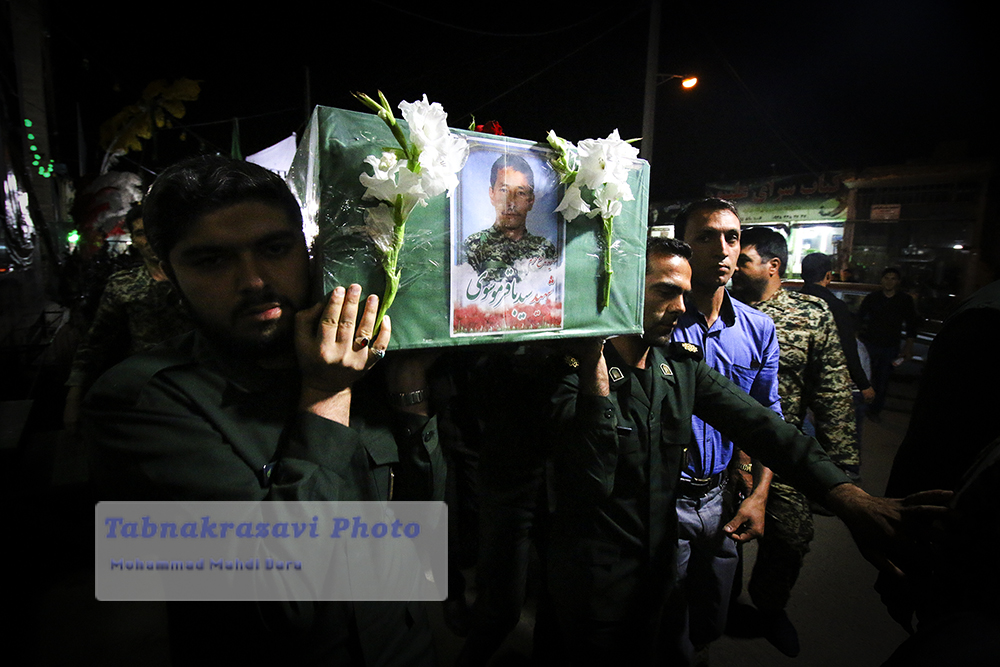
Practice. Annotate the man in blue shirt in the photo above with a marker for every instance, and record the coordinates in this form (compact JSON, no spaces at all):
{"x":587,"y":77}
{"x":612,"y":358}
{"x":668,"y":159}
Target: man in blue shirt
{"x":740,"y":343}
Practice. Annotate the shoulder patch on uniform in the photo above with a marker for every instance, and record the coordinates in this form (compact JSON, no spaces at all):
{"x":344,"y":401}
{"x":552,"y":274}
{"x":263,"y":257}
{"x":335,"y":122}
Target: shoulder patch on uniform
{"x":684,"y":350}
{"x":665,"y":369}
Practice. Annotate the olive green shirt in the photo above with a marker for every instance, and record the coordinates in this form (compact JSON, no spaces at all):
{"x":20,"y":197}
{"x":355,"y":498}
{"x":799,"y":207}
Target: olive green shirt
{"x":188,"y":421}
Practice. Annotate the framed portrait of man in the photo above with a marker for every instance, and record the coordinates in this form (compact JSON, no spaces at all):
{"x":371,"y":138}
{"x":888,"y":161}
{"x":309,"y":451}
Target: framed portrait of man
{"x":507,"y":243}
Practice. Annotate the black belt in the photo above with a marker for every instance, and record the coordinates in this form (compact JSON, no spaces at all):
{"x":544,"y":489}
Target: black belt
{"x":695,"y":487}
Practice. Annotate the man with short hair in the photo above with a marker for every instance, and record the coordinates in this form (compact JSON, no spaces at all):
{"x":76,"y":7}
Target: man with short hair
{"x":495,"y":251}
{"x":812,"y":375}
{"x":714,"y":515}
{"x":267,"y":400}
{"x":884,"y":315}
{"x":621,"y":422}
{"x":817,"y":274}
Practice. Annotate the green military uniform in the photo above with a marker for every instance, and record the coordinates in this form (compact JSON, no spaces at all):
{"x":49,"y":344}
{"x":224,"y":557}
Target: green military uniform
{"x":617,"y":463}
{"x":491,"y":252}
{"x":188,"y":421}
{"x":812,"y":375}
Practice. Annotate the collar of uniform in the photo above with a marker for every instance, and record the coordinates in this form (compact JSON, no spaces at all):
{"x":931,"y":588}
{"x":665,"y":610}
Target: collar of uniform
{"x":727,"y":314}
{"x":493,"y":233}
{"x":659,"y":361}
{"x":781,"y":296}
{"x":618,"y":371}
{"x":655,"y":360}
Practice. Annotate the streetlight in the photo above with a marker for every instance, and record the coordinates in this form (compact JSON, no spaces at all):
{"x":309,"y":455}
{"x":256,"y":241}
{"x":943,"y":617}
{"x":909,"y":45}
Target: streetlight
{"x":649,"y":110}
{"x":687,"y":82}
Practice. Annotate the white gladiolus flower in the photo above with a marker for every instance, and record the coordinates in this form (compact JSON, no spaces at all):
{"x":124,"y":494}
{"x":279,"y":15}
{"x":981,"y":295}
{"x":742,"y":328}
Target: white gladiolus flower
{"x":441,"y":162}
{"x":601,"y":166}
{"x":382,"y":184}
{"x":605,"y":160}
{"x":428,"y":122}
{"x":607,"y":206}
{"x":572,"y":204}
{"x":391,"y":179}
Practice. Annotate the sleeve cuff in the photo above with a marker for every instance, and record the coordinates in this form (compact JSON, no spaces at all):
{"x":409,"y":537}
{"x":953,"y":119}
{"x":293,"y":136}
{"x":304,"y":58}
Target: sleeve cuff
{"x":321,"y":441}
{"x":595,"y":411}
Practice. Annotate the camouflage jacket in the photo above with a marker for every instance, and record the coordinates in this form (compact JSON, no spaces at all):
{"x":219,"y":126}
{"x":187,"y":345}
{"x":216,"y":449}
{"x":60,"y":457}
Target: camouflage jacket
{"x":136,"y":313}
{"x":812,"y":371}
{"x":491,"y":252}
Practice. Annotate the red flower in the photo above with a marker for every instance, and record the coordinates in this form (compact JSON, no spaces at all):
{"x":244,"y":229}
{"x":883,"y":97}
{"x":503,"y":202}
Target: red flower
{"x":490,"y":127}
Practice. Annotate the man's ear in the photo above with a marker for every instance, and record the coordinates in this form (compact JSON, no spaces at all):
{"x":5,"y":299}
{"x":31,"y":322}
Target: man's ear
{"x":774,"y":265}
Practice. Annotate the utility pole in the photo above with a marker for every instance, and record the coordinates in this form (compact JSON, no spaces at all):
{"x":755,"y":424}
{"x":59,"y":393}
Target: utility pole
{"x":652,"y":69}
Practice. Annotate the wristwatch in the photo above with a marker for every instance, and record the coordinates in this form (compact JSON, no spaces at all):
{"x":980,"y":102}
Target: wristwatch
{"x":406,"y":399}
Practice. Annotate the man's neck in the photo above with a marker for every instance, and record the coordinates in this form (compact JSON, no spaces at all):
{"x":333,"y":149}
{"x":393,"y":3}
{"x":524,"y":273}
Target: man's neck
{"x":773,"y":287}
{"x":709,"y":302}
{"x":513,"y":234}
{"x":889,"y":293}
{"x":633,"y":350}
{"x":155,"y":272}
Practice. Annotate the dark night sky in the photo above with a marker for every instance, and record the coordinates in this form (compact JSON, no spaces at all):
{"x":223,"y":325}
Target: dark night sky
{"x":785,"y":87}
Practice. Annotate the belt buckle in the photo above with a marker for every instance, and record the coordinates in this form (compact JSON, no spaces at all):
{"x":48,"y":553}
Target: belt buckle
{"x":700,"y":482}
{"x":697,"y":486}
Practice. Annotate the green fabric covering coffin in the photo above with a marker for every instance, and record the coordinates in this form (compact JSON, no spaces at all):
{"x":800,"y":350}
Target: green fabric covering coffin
{"x":435,"y":276}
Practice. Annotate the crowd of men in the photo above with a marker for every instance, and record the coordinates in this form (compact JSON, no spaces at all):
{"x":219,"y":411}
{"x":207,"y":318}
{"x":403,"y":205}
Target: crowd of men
{"x":667,"y":449}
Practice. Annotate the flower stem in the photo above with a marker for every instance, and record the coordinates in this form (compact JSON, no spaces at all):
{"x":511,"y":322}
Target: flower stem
{"x":606,"y":272}
{"x":384,"y":111}
{"x":390,"y":262}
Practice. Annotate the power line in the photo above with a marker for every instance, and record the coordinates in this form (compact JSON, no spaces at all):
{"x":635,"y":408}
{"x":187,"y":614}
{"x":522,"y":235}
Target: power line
{"x":538,"y":73}
{"x":488,"y":33}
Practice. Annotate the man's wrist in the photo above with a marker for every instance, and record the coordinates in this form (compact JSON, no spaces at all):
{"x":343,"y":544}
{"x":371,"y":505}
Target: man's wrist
{"x":335,"y":406}
{"x":842,"y":497}
{"x":761,"y":490}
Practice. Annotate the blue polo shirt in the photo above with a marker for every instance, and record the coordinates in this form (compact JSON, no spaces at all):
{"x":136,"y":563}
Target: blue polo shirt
{"x":741,"y":344}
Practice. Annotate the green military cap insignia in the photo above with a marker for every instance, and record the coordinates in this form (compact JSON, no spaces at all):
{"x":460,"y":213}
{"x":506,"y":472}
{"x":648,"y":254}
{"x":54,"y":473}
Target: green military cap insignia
{"x":665,"y":369}
{"x":615,"y":374}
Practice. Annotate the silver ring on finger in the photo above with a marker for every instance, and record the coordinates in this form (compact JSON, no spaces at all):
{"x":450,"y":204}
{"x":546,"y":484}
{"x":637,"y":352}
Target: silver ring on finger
{"x":377,"y":353}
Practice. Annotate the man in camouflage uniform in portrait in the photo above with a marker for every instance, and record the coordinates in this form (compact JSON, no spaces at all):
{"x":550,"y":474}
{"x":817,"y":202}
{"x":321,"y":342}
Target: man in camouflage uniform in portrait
{"x":494,"y":251}
{"x":812,"y":375}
